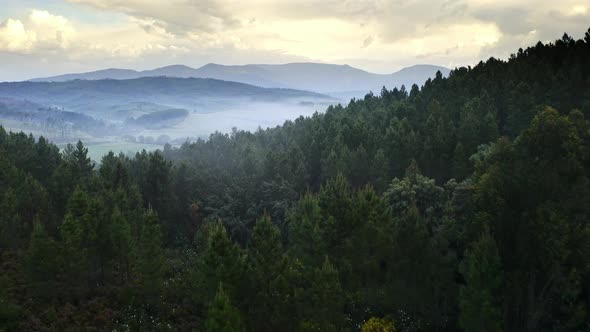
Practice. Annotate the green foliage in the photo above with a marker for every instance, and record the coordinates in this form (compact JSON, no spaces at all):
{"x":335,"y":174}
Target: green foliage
{"x":221,"y":261}
{"x":306,"y":224}
{"x":267,"y":272}
{"x":326,"y":300}
{"x":479,"y":300}
{"x":534,"y":216}
{"x":10,"y":221}
{"x":150,"y":258}
{"x":122,"y":244}
{"x":222,"y":316}
{"x":81,"y":159}
{"x":422,"y":273}
{"x":41,"y":265}
{"x":10,"y":311}
{"x":415,"y":192}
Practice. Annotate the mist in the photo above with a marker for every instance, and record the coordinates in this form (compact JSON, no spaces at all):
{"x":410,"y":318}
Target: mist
{"x":127,"y":111}
{"x":112,"y":134}
{"x":146,"y":113}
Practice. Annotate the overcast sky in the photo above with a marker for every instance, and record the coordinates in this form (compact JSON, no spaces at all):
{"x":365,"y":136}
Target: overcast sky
{"x":47,"y":37}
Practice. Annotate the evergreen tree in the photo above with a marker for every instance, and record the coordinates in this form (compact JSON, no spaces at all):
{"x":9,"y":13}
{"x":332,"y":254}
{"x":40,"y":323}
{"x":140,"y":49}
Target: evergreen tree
{"x":421,"y":275}
{"x":74,"y":253}
{"x":81,"y":159}
{"x":150,"y":260}
{"x":221,"y":261}
{"x":41,"y":264}
{"x":222,"y":316}
{"x":267,"y":268}
{"x":122,"y":243}
{"x":306,"y":239}
{"x":480,"y":306}
{"x":527,"y":211}
{"x":10,"y":221}
{"x":325,"y":300}
{"x":335,"y":199}
{"x":461,"y":165}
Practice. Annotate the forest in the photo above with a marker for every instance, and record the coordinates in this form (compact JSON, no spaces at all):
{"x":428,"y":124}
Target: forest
{"x":460,"y":205}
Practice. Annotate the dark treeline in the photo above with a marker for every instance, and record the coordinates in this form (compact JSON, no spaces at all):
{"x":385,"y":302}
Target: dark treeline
{"x":463,"y":205}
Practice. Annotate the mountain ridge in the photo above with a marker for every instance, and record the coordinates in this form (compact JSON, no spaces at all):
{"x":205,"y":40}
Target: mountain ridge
{"x":306,"y":76}
{"x":203,"y":94}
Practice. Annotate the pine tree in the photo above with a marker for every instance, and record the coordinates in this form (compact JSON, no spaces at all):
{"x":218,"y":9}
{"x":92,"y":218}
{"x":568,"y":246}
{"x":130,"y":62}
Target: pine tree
{"x":10,"y":221}
{"x":335,"y":199}
{"x":74,"y":254}
{"x":267,"y":272}
{"x":326,"y":300}
{"x":87,"y":216}
{"x":41,"y":264}
{"x":221,"y":261}
{"x":479,"y":303}
{"x":422,"y":272}
{"x":83,"y":162}
{"x":532,"y":213}
{"x":150,"y":260}
{"x":122,"y":243}
{"x":222,"y":316}
{"x":306,"y":241}
{"x":368,"y":250}
{"x":379,"y":171}
{"x":461,"y":165}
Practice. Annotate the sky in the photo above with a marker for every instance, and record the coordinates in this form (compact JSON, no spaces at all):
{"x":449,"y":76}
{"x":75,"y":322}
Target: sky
{"x":48,"y":37}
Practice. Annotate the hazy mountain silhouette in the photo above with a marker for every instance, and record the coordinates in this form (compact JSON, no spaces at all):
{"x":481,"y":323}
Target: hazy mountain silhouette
{"x":101,"y":97}
{"x":340,"y":80}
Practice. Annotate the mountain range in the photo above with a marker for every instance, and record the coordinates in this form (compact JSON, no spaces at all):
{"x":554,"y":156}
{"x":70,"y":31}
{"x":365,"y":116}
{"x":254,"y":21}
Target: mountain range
{"x":181,"y":101}
{"x":336,"y":80}
{"x":105,"y":98}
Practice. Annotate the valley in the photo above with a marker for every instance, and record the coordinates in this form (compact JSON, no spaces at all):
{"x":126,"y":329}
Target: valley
{"x":127,"y":110}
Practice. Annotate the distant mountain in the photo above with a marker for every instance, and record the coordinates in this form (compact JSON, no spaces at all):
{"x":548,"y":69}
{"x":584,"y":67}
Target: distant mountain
{"x":324,"y":78}
{"x":110,"y":98}
{"x":111,"y":73}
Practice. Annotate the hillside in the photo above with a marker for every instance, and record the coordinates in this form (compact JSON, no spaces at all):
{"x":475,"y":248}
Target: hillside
{"x":195,"y":94}
{"x":459,"y":206}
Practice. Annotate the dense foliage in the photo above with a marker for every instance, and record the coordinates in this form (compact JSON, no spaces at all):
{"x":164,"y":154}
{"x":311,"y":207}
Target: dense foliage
{"x":463,"y":205}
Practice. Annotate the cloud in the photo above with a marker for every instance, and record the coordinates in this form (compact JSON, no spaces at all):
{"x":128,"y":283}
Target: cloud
{"x":175,"y":16}
{"x":393,"y":33}
{"x":327,"y":29}
{"x":40,"y":31}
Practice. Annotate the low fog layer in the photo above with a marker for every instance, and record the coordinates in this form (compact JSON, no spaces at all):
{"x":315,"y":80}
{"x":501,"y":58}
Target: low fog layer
{"x":146,"y":113}
{"x":126,"y":110}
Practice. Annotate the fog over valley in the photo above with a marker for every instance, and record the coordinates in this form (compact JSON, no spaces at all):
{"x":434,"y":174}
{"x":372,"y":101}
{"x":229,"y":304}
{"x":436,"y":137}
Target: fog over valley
{"x":127,"y":111}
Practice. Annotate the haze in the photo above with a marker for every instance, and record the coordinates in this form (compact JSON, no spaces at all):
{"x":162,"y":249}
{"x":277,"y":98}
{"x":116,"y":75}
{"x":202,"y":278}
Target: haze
{"x":127,"y":75}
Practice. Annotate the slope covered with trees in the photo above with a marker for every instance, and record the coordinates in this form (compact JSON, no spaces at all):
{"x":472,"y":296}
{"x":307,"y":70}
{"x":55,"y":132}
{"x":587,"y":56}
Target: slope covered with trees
{"x":461,"y":205}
